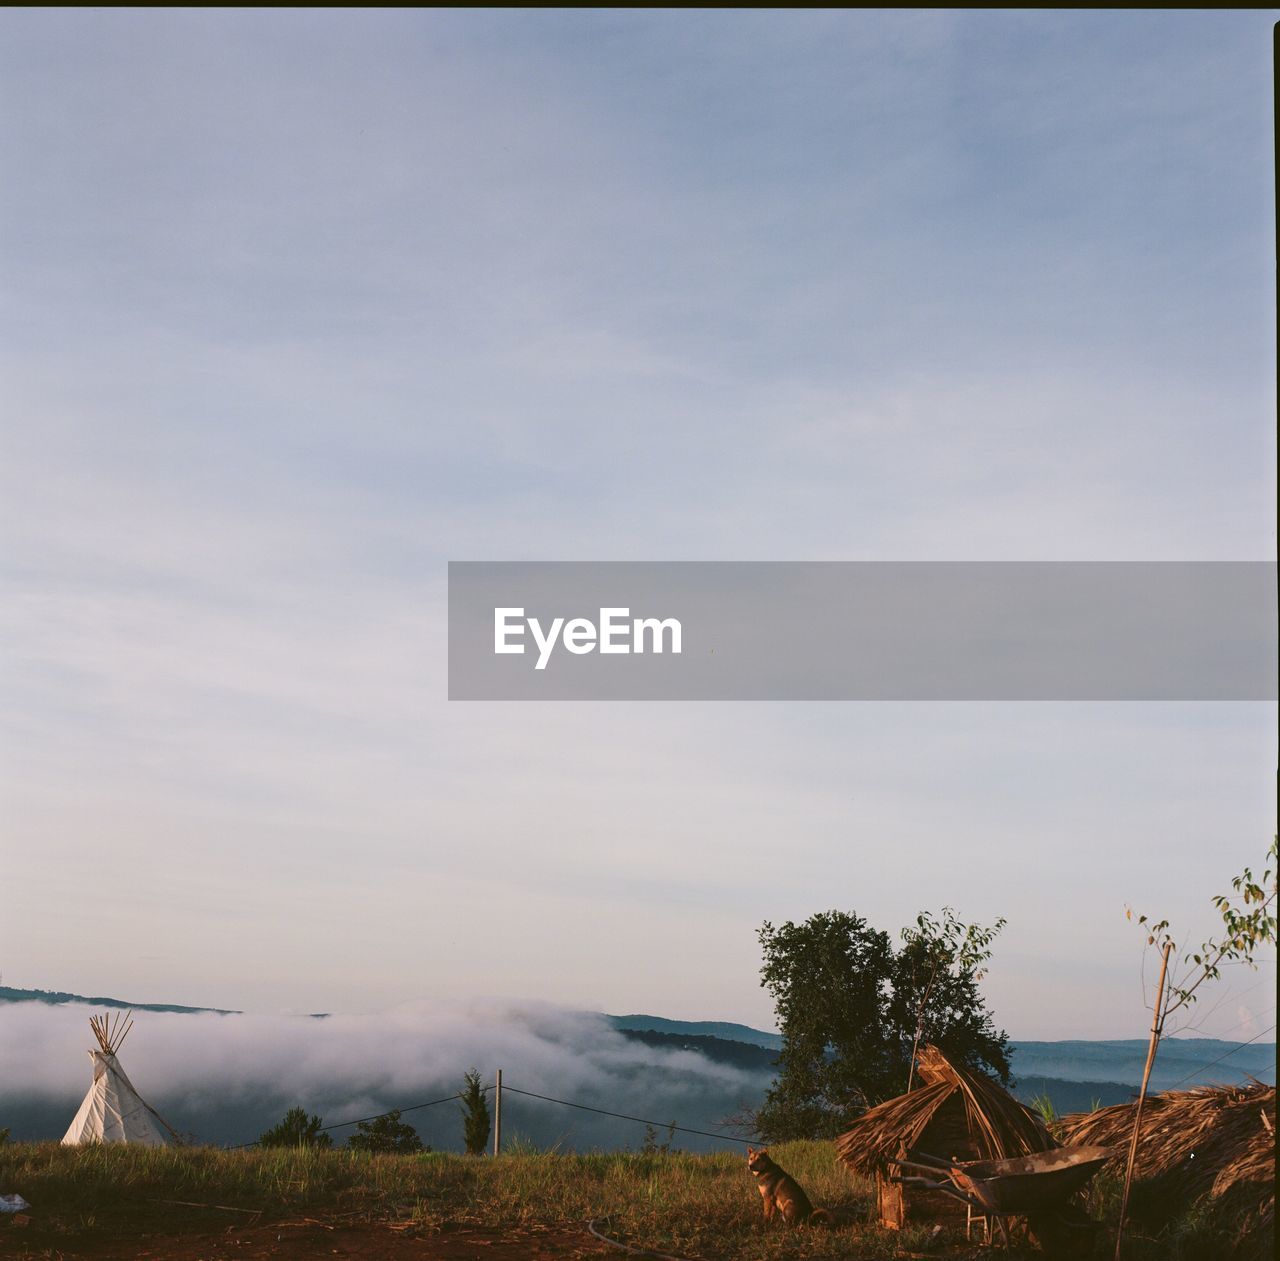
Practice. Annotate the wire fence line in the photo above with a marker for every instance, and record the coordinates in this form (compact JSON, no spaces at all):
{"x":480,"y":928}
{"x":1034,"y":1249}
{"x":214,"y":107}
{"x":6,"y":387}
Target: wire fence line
{"x":413,"y":1107}
{"x":377,"y":1116}
{"x":622,"y":1116}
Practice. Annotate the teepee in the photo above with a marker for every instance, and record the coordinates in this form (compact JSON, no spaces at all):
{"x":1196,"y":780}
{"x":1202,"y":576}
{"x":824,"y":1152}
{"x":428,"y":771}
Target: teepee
{"x":112,"y":1111}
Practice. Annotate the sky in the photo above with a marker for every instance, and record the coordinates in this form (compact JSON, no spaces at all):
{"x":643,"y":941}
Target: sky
{"x":298,"y":306}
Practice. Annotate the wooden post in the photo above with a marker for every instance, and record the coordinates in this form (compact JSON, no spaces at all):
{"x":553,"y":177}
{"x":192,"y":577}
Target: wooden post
{"x":1156,"y":1029}
{"x":890,"y":1200}
{"x":915,"y":1042}
{"x":497,"y":1115}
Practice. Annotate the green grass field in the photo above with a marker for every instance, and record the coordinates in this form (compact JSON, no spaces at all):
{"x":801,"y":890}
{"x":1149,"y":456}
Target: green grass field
{"x":694,"y":1205}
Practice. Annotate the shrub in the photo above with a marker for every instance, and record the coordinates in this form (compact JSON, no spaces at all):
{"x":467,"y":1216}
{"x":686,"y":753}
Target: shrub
{"x":386,"y":1134}
{"x":296,"y":1129}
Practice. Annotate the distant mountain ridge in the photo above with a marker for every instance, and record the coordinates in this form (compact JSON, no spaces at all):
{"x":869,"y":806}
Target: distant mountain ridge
{"x":1182,"y":1062}
{"x":699,"y":1029}
{"x":744,"y":1055}
{"x":10,"y":995}
{"x":1111,"y":1066}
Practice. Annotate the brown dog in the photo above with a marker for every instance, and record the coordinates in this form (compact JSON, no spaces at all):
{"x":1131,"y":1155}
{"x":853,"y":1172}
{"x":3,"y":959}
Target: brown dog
{"x":781,"y":1193}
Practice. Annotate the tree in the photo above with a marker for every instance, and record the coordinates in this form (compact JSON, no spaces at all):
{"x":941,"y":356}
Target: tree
{"x":1248,"y":923}
{"x":851,"y":1009}
{"x":296,"y":1129}
{"x":935,"y":988}
{"x":475,"y":1114}
{"x":386,"y":1134}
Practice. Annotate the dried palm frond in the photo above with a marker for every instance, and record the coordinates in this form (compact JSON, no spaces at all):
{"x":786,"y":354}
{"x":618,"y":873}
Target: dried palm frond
{"x":993,"y":1122}
{"x":1214,"y":1144}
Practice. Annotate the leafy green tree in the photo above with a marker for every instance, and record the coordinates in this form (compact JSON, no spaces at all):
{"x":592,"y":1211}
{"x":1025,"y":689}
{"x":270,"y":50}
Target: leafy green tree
{"x":296,"y":1129}
{"x":386,"y":1134}
{"x":1248,"y":925}
{"x":829,"y":981}
{"x":935,"y":991}
{"x":852,"y":1009}
{"x":475,"y":1114}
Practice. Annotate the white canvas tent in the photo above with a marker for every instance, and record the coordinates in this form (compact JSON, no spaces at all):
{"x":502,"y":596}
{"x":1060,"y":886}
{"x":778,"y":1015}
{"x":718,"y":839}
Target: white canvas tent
{"x":112,"y":1111}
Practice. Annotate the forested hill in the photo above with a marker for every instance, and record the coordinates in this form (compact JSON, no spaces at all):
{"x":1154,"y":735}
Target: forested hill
{"x":1101,"y":1068}
{"x":699,"y":1028}
{"x":742,"y":1055}
{"x":10,"y":995}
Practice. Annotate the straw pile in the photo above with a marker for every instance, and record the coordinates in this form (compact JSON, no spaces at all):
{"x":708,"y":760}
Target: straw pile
{"x":954,"y":1112}
{"x":1214,"y":1144}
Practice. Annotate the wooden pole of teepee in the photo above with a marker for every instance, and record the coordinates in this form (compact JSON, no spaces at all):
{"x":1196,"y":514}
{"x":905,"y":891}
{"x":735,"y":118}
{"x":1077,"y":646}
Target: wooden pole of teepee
{"x":1157,"y":1025}
{"x":497,"y":1114}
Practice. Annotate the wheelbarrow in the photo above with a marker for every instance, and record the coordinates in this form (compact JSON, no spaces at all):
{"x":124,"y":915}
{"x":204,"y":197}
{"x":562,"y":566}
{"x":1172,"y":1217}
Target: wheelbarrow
{"x":1039,"y":1187}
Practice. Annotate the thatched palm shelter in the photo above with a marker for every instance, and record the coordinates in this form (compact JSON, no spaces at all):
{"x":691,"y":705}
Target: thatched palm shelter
{"x":1214,"y":1145}
{"x":953,"y":1113}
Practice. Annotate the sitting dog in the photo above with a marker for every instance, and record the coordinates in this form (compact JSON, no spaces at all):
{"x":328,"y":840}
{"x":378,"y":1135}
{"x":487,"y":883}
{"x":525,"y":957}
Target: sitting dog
{"x":781,"y":1193}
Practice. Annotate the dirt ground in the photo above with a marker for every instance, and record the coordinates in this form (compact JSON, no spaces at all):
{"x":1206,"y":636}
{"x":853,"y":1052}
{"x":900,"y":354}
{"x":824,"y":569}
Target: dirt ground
{"x":315,"y":1241}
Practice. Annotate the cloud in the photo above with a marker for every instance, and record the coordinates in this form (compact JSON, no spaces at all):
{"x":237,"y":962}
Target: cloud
{"x":218,"y":1074}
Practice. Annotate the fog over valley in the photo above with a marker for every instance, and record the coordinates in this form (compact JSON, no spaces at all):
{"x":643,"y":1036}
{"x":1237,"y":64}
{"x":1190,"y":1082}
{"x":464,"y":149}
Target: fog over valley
{"x":223,"y":1077}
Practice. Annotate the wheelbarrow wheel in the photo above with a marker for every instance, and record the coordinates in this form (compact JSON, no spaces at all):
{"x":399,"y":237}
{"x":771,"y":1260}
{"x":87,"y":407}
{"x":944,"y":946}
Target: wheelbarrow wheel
{"x":1069,"y":1232}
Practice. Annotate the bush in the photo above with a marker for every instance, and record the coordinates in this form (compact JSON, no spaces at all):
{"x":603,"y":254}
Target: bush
{"x":296,"y":1129}
{"x":386,"y":1134}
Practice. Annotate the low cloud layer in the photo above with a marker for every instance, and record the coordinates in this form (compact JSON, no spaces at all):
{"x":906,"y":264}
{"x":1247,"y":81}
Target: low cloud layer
{"x":225,"y":1078}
